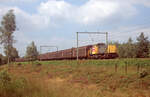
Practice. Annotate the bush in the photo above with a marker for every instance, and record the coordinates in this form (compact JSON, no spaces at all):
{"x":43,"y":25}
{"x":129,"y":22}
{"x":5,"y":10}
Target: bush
{"x":37,"y":63}
{"x":5,"y":83}
{"x":19,"y":64}
{"x":10,"y":87}
{"x":4,"y":77}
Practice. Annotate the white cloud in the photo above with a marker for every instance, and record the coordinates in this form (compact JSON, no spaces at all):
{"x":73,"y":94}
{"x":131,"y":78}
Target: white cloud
{"x":17,"y":1}
{"x":26,"y":21}
{"x":89,"y":13}
{"x":140,"y":2}
{"x":53,"y":8}
{"x":52,"y":12}
{"x":95,"y":11}
{"x":92,"y":11}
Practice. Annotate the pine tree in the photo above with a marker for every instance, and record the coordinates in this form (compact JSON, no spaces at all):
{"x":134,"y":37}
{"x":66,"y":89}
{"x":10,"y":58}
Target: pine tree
{"x":142,"y":46}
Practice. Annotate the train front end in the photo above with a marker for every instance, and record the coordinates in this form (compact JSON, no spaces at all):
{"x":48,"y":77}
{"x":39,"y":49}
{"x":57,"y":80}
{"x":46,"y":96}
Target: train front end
{"x":102,"y":51}
{"x":111,"y":51}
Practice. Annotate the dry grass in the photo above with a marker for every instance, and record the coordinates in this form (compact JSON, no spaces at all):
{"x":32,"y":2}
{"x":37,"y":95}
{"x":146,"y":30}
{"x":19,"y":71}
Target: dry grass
{"x":51,"y":80}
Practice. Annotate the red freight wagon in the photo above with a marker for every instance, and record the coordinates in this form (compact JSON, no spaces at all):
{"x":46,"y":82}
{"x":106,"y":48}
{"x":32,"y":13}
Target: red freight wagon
{"x":67,"y":54}
{"x":82,"y":52}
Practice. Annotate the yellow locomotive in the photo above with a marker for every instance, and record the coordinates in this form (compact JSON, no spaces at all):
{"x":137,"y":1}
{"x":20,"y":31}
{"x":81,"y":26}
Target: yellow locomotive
{"x":103,"y":51}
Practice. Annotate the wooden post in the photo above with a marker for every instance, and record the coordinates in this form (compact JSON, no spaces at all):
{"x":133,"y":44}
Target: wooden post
{"x":116,"y":66}
{"x":138,"y":68}
{"x":8,"y":59}
{"x":126,"y":67}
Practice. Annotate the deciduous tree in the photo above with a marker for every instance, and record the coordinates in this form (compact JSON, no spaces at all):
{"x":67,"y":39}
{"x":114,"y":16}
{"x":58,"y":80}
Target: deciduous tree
{"x":130,"y":49}
{"x":127,"y":50}
{"x":8,"y":26}
{"x":31,"y":52}
{"x":13,"y":53}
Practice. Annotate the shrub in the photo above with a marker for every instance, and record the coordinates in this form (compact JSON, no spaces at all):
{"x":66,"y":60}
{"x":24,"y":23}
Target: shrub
{"x":11,"y":87}
{"x":37,"y":63}
{"x":4,"y":77}
{"x":19,"y":64}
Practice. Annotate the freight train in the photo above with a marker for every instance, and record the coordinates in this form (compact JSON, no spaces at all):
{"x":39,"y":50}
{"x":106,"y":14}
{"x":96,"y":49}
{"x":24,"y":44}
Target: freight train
{"x":96,"y":51}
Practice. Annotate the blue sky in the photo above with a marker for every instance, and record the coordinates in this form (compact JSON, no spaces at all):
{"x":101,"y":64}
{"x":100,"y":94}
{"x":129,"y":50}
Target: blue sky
{"x":55,"y":22}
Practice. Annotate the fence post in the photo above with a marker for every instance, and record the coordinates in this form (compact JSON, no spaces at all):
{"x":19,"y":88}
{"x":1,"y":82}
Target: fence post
{"x":116,"y":67}
{"x":138,"y":68}
{"x":126,"y":67}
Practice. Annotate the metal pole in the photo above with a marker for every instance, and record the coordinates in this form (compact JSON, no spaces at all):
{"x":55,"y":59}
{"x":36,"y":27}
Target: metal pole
{"x":57,"y":48}
{"x":92,"y":32}
{"x":40,"y":52}
{"x":107,"y":38}
{"x":77,"y":48}
{"x":57,"y":52}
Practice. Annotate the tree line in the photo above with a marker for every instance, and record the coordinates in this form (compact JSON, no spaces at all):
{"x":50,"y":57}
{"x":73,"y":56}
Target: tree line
{"x":130,"y":49}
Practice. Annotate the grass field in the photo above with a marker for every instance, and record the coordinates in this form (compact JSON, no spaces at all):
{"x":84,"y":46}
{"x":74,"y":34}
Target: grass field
{"x":69,"y":78}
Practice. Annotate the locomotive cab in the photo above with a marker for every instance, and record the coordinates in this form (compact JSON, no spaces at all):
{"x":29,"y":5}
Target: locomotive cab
{"x":111,"y":49}
{"x":103,"y":51}
{"x":98,"y":49}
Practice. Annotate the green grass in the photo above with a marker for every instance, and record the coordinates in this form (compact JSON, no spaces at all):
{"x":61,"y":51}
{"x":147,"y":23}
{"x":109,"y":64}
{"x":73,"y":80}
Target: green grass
{"x":136,"y":64}
{"x":101,"y":62}
{"x":69,"y":78}
{"x":134,"y":61}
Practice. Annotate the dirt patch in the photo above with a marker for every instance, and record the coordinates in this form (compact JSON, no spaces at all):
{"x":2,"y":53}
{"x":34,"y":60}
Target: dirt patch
{"x":55,"y":80}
